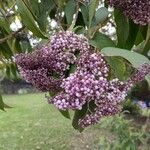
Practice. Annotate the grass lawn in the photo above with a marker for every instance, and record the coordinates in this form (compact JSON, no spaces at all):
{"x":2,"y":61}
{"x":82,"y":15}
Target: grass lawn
{"x":33,"y":124}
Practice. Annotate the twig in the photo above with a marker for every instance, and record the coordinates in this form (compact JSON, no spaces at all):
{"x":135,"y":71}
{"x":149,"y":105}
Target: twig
{"x":2,"y":40}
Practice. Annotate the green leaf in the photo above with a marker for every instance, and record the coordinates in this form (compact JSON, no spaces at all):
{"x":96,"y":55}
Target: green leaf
{"x":13,"y":70}
{"x":134,"y":58}
{"x":8,"y":71}
{"x":118,"y":66}
{"x":72,"y":69}
{"x":147,"y":42}
{"x":122,"y":28}
{"x":5,"y":50}
{"x":16,"y":46}
{"x":92,"y":8}
{"x":133,"y":32}
{"x":79,"y":30}
{"x":101,"y":40}
{"x":146,"y":47}
{"x":65,"y":113}
{"x":85,"y":13}
{"x":148,"y":79}
{"x":28,"y":19}
{"x":26,"y":46}
{"x":1,"y":103}
{"x":139,"y":38}
{"x":80,"y":20}
{"x":60,"y":3}
{"x":5,"y":24}
{"x":78,"y":115}
{"x":101,"y":15}
{"x":45,"y":8}
{"x":70,"y":9}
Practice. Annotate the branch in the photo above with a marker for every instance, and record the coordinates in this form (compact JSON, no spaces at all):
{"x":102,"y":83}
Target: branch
{"x":2,"y":40}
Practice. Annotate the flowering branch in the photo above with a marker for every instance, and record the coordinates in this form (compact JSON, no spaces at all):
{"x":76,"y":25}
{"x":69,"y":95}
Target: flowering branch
{"x":46,"y":70}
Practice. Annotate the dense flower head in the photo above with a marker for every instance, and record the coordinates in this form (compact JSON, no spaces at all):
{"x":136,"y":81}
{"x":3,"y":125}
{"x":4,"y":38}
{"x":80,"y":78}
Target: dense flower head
{"x":53,"y":60}
{"x":68,"y":41}
{"x":137,"y":10}
{"x":79,"y":88}
{"x":101,"y":111}
{"x":94,"y":64}
{"x":140,"y":73}
{"x":48,"y":70}
{"x":109,"y":101}
{"x":89,"y":83}
{"x":40,"y":79}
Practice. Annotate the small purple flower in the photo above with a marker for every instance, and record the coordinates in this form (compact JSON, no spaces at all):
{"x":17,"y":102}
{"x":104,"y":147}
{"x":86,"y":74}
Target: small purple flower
{"x":137,"y":10}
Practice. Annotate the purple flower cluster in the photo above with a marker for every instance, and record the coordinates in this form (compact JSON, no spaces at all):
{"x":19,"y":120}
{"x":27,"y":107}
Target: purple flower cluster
{"x":137,"y":10}
{"x":47,"y":69}
{"x":68,"y":41}
{"x":109,"y":102}
{"x":90,"y":83}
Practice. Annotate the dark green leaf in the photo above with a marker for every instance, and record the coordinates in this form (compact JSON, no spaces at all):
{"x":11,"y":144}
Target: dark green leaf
{"x":144,"y":30}
{"x":34,"y":6}
{"x":133,"y":31}
{"x":52,"y":13}
{"x":78,"y":115}
{"x":52,"y":93}
{"x":146,"y":48}
{"x":85,"y":14}
{"x":60,"y":3}
{"x":72,"y":69}
{"x":8,"y":71}
{"x":26,"y":46}
{"x":79,"y":30}
{"x":5,"y":24}
{"x":16,"y":46}
{"x":91,"y":106}
{"x":5,"y":50}
{"x":44,"y":9}
{"x":101,"y":40}
{"x":70,"y":9}
{"x":28,"y":19}
{"x":101,"y":15}
{"x":80,"y":20}
{"x":92,"y":8}
{"x":139,"y":38}
{"x":122,"y":28}
{"x":134,"y":58}
{"x":13,"y":70}
{"x":65,"y":113}
{"x":118,"y":66}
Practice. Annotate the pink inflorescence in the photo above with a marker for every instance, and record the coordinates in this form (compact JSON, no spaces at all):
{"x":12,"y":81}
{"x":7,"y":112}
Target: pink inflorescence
{"x":137,"y":10}
{"x":47,"y":69}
